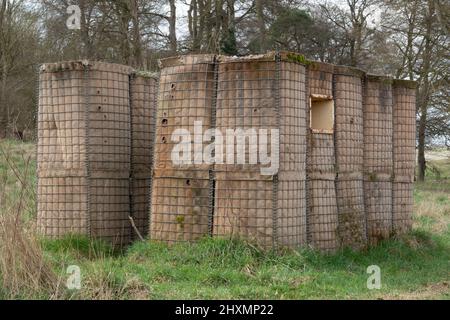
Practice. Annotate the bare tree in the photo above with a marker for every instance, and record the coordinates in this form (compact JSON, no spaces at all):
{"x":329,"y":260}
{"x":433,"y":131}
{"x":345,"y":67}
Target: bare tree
{"x":422,"y":40}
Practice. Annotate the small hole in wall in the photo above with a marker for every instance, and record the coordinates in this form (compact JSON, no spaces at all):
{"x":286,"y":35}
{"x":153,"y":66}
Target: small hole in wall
{"x":163,"y":140}
{"x":188,"y":182}
{"x":164,"y":122}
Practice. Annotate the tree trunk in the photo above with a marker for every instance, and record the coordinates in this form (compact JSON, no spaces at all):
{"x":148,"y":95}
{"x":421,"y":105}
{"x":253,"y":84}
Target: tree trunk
{"x":424,"y":92}
{"x":137,"y":44}
{"x":261,"y":25}
{"x":421,"y":147}
{"x":172,"y":27}
{"x":4,"y":112}
{"x":3,"y":64}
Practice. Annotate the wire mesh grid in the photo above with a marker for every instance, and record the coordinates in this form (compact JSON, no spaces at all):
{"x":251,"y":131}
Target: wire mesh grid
{"x":83,"y":150}
{"x":181,"y":191}
{"x":404,"y":135}
{"x":292,"y":172}
{"x":186,"y":95}
{"x":179,"y":209}
{"x":378,"y":206}
{"x":143,"y":97}
{"x":349,"y":123}
{"x":402,"y":206}
{"x":320,"y":77}
{"x":110,"y":207}
{"x":349,"y":148}
{"x":322,"y":207}
{"x":404,"y":118}
{"x":257,"y":93}
{"x":378,"y":126}
{"x":143,"y":116}
{"x":323,"y":213}
{"x":62,"y":206}
{"x":378,"y":157}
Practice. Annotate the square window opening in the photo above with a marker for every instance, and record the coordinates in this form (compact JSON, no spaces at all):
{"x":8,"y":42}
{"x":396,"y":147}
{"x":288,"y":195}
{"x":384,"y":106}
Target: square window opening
{"x":322,"y":114}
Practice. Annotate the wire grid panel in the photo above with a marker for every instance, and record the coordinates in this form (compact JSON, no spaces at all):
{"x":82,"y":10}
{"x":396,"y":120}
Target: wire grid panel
{"x":349,"y":150}
{"x":109,"y":118}
{"x":349,"y":123}
{"x":293,"y":124}
{"x":323,"y":212}
{"x":257,"y":93}
{"x":378,"y":201}
{"x":378,"y":157}
{"x":404,"y":96}
{"x":246,"y":101}
{"x":143,"y":94}
{"x":352,"y":219}
{"x":143,"y":112}
{"x":404,"y":135}
{"x":181,"y":192}
{"x":62,"y":207}
{"x":82,"y":105}
{"x":291,"y":211}
{"x":243,"y":208}
{"x":110,"y":207}
{"x":61,"y":120}
{"x":186,"y":95}
{"x":179,"y":209}
{"x":323,"y":215}
{"x":402,"y":207}
{"x":140,"y":197}
{"x":378,"y":127}
{"x":62,"y":117}
{"x":321,"y":79}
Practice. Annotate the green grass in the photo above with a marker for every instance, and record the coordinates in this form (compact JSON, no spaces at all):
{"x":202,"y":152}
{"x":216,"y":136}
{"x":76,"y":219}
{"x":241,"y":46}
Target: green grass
{"x":227,"y":269}
{"x":414,"y":266}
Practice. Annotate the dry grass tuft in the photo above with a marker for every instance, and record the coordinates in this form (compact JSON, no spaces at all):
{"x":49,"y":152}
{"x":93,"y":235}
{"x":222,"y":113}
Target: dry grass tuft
{"x":24,"y":273}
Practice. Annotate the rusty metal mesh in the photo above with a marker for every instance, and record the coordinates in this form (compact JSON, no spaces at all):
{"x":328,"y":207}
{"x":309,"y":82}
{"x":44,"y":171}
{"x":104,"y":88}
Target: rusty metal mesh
{"x":349,"y":149}
{"x":181,"y":200}
{"x":98,"y":133}
{"x":323,"y":211}
{"x":378,"y":160}
{"x":263,"y":93}
{"x":84,"y":150}
{"x":404,"y":135}
{"x":143,"y":96}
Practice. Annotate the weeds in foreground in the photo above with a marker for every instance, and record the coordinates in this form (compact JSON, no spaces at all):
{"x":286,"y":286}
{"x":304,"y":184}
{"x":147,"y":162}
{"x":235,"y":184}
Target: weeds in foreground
{"x":416,"y":265}
{"x":24,"y":273}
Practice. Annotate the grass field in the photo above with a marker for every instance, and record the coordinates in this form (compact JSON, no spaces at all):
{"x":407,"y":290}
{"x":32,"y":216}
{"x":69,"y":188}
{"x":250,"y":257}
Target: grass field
{"x":416,"y":266}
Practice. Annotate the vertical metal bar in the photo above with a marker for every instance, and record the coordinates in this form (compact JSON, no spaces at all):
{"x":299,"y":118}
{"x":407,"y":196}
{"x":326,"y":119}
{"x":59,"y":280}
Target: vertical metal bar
{"x":37,"y":112}
{"x":87,"y":150}
{"x":212,"y":176}
{"x":364,"y":101}
{"x":336,"y":167}
{"x":307,"y":158}
{"x":275,"y":240}
{"x":153,"y":142}
{"x":131,"y":82}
